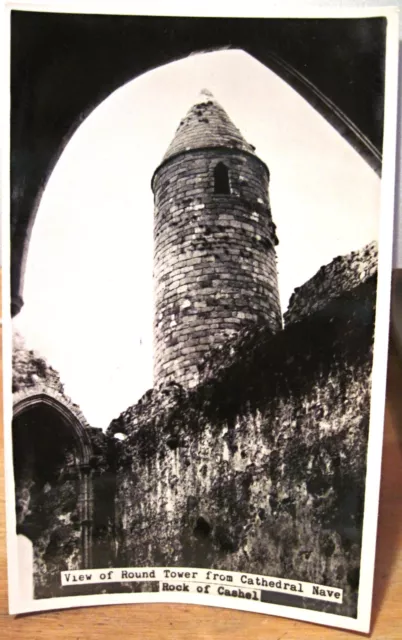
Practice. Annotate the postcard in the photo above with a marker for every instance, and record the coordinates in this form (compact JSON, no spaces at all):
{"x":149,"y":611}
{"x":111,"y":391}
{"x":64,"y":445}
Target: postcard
{"x":197,"y":239}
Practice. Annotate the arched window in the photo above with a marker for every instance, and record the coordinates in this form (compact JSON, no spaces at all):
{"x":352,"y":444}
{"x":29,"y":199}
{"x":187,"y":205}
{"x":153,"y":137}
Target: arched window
{"x":221,"y":179}
{"x":52,"y":453}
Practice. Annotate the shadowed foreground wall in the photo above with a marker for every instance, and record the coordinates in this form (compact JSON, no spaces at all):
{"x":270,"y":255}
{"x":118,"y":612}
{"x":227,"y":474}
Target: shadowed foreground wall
{"x":262,"y":467}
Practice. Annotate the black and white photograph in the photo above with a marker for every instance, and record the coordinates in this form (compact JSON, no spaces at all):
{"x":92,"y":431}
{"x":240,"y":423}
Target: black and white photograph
{"x":199,"y":244}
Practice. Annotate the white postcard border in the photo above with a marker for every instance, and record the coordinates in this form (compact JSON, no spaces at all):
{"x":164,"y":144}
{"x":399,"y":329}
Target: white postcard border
{"x":179,"y":8}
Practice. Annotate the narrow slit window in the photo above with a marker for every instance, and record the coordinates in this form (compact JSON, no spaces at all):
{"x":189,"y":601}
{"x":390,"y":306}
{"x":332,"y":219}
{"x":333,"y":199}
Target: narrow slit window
{"x":221,"y":179}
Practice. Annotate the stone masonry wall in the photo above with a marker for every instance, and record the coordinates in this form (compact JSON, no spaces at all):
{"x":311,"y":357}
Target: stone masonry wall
{"x":49,"y":476}
{"x":261,"y":468}
{"x":340,"y":275}
{"x":215,"y":263}
{"x":31,"y":371}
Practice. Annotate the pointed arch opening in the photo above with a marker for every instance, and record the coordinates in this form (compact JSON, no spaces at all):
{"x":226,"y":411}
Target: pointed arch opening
{"x":53,"y":487}
{"x":221,"y":179}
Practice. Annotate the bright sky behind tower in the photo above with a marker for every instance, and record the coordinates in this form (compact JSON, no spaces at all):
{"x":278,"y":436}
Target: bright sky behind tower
{"x":88,"y":285}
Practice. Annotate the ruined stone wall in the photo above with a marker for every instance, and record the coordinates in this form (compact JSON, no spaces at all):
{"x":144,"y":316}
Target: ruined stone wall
{"x":340,"y":275}
{"x":261,"y":468}
{"x":54,"y":477}
{"x":215,"y":263}
{"x":30,"y":371}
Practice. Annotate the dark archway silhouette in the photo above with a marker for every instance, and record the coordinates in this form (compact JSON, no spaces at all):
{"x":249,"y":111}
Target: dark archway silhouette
{"x":54,"y":498}
{"x":64,"y":65}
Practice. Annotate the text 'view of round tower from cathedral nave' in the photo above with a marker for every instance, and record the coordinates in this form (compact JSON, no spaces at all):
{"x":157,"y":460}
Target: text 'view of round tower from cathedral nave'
{"x":214,"y":256}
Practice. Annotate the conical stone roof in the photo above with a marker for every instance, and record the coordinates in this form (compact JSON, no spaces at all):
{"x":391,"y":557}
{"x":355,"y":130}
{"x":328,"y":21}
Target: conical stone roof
{"x":206,"y":125}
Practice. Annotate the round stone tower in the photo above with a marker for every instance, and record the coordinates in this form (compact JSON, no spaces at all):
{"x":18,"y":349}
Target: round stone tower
{"x":214,"y":261}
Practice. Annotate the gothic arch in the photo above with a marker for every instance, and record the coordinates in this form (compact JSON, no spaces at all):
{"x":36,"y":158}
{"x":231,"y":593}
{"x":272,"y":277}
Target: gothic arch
{"x":74,"y":419}
{"x":52,"y":462}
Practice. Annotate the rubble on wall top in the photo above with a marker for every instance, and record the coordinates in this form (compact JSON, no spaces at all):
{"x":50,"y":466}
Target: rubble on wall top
{"x":342,"y":274}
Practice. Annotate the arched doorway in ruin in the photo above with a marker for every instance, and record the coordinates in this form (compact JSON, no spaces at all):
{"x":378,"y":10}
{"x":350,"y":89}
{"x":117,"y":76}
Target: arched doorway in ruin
{"x":53,"y":487}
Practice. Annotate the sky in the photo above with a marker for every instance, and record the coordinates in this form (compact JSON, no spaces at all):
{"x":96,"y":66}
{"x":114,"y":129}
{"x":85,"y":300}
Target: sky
{"x":88,"y":285}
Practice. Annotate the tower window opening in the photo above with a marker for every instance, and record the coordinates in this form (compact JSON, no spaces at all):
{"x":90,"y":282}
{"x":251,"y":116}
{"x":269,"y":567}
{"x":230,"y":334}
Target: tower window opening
{"x":221,"y":179}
